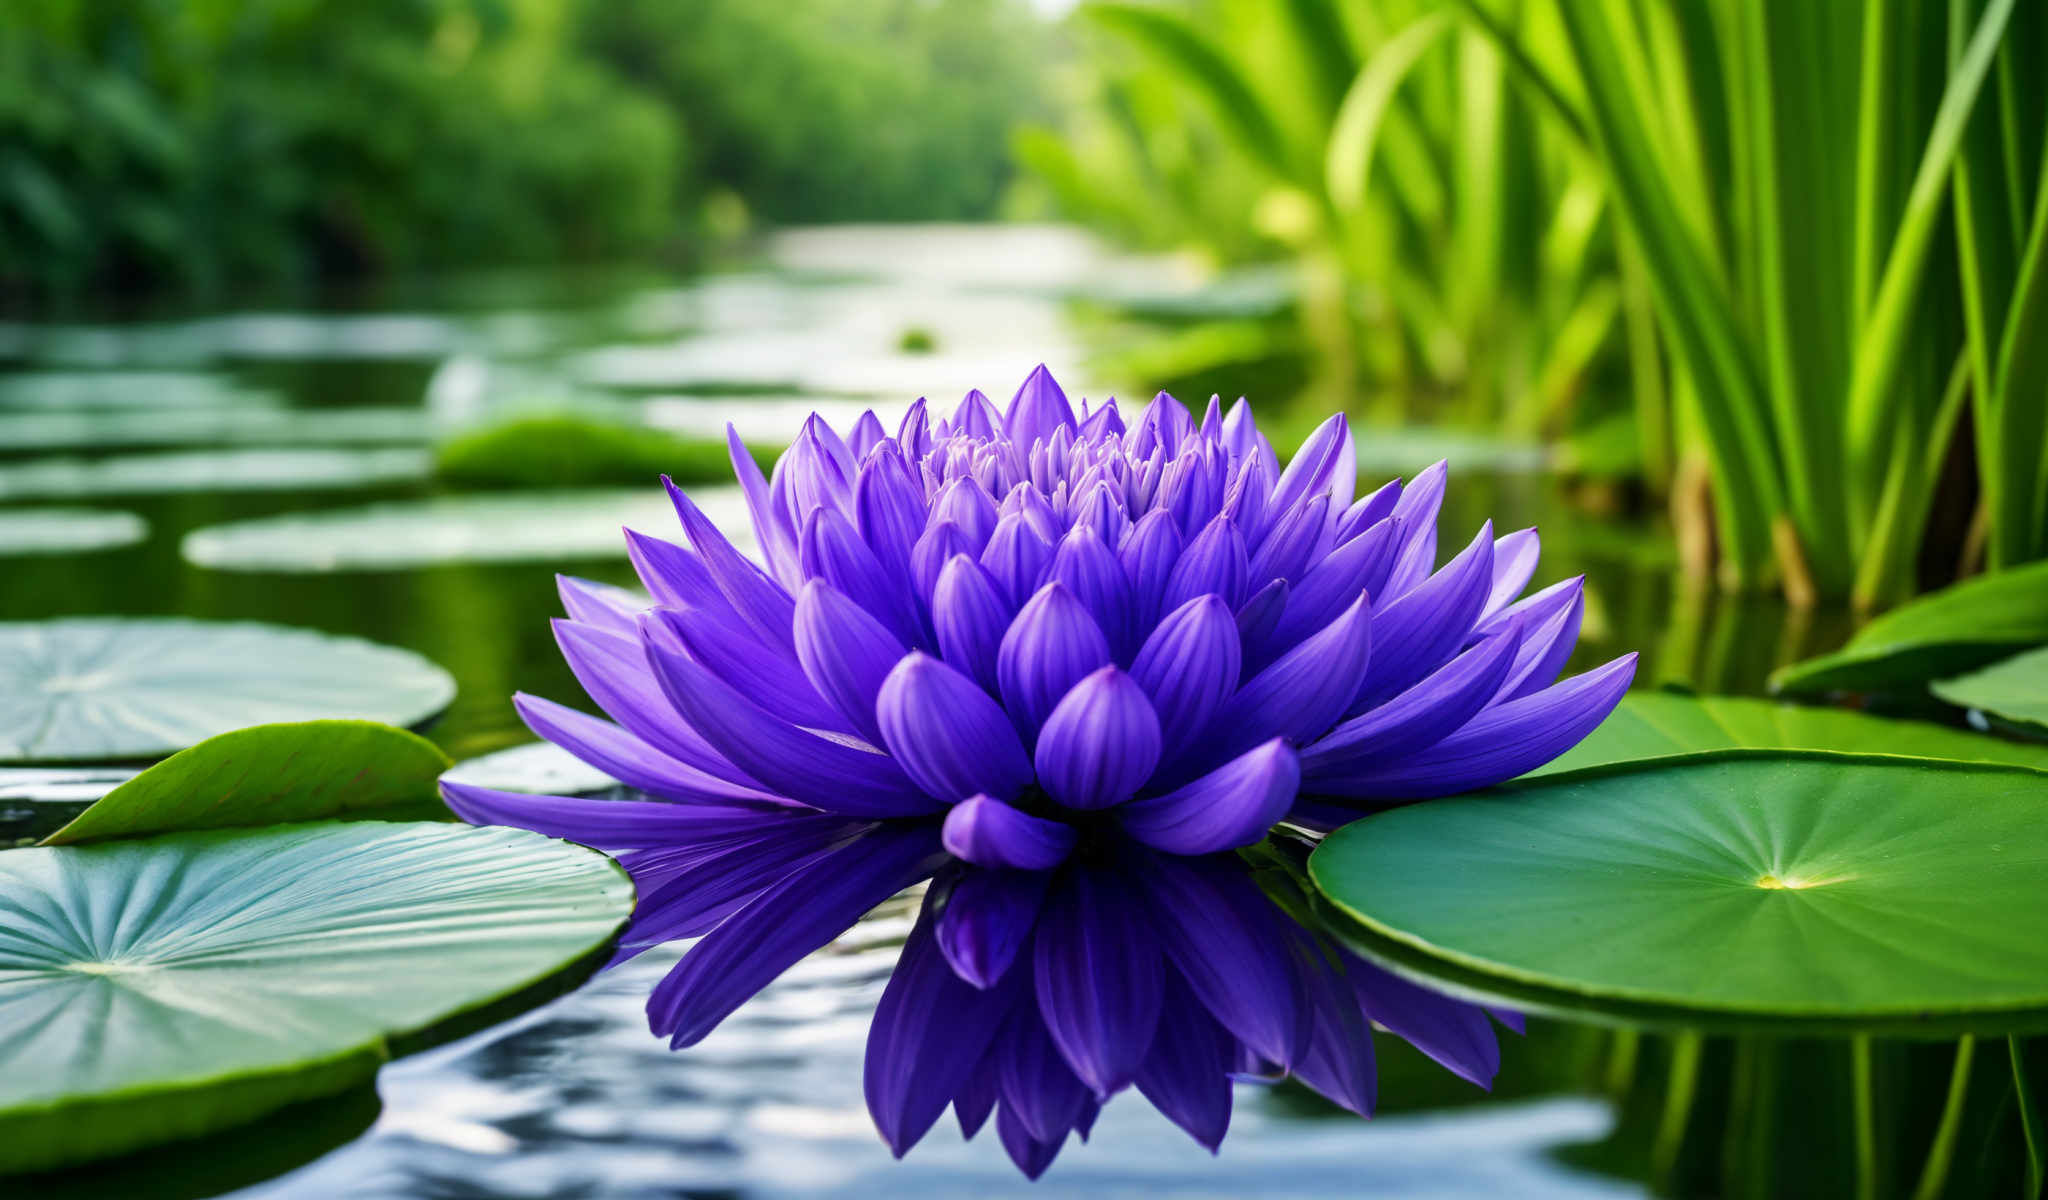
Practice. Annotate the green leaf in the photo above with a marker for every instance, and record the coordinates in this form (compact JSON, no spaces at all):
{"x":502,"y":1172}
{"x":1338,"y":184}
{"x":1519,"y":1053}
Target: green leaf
{"x":1741,"y":886}
{"x":272,"y":774}
{"x":526,"y":527}
{"x":1958,"y":628}
{"x":1348,"y":162}
{"x":1202,"y":65}
{"x":163,"y":988}
{"x":97,"y":688}
{"x":1661,"y":725}
{"x":2015,"y":689}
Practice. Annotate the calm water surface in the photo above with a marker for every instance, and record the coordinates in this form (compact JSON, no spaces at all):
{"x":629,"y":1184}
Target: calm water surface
{"x":576,"y":1099}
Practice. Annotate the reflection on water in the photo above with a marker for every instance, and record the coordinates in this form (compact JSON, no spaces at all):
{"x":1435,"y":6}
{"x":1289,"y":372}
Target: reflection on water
{"x":577,"y":1099}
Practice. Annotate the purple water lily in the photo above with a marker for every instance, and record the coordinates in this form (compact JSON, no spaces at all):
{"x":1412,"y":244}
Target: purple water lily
{"x":1063,"y":669}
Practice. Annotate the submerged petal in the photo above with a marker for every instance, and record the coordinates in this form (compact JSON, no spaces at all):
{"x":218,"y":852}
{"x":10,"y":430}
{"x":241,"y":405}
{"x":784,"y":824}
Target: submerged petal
{"x":1186,"y":1073}
{"x":988,"y":919}
{"x":1098,"y":975}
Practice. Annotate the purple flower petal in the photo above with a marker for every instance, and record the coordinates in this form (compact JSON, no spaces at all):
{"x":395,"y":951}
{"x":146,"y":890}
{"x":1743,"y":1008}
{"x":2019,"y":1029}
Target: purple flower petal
{"x":1514,"y":562}
{"x":625,"y":757}
{"x":1258,"y":617}
{"x":970,"y":617}
{"x":977,"y":416}
{"x":1103,"y":422}
{"x":989,"y":833}
{"x":1339,"y":1063}
{"x":1038,"y":408}
{"x":930,"y":1032}
{"x":1232,"y":806}
{"x":1452,"y":1032}
{"x":1330,"y":587}
{"x":1421,"y":628}
{"x":1148,"y":557}
{"x":1017,"y":558}
{"x":1213,"y":562}
{"x":967,"y":504}
{"x":1091,"y":571}
{"x":1417,"y":509}
{"x":672,"y":574}
{"x":818,"y":771}
{"x":1298,"y":539}
{"x":724,"y":646}
{"x":1368,"y":511}
{"x":889,"y":509}
{"x":1227,"y":940}
{"x":1031,"y":1156}
{"x":1242,"y":438}
{"x":1051,"y":645}
{"x":1500,"y":743}
{"x":1418,"y":717}
{"x":598,"y":604}
{"x":1099,"y":743}
{"x":614,"y":671}
{"x":607,"y":824}
{"x":947,"y":734}
{"x":1164,"y":424}
{"x":1302,"y":694}
{"x":845,"y":654}
{"x":975,"y":1102}
{"x":719,"y":883}
{"x":1545,"y":651}
{"x":1037,"y":1084}
{"x":1188,"y":667}
{"x":936,"y":547}
{"x":866,"y":434}
{"x":771,"y":525}
{"x":834,"y":552}
{"x":988,"y":919}
{"x":1096,"y":960}
{"x":1186,"y":1073}
{"x":806,"y":909}
{"x":1100,"y":507}
{"x":759,"y":600}
{"x":1326,"y":465}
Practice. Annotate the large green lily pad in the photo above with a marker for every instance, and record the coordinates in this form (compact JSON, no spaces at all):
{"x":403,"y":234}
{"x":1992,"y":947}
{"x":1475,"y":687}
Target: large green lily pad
{"x":161,"y":988}
{"x":96,"y":688}
{"x":2015,"y":689}
{"x":1660,"y":725}
{"x":210,"y":471}
{"x":83,"y":429}
{"x":527,"y":527}
{"x":539,"y":768}
{"x":67,"y":530}
{"x":271,"y":774}
{"x":1956,"y":629}
{"x":1742,"y":887}
{"x":154,"y":391}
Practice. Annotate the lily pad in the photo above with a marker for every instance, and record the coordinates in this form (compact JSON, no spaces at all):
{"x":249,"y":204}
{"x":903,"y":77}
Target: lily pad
{"x":527,"y":527}
{"x":161,"y":988}
{"x":71,"y":429}
{"x":96,"y":688}
{"x":1660,"y":725}
{"x":152,"y":390}
{"x":539,"y":768}
{"x":68,"y":530}
{"x":1847,"y":891}
{"x":1957,"y":629}
{"x":271,"y":774}
{"x":2015,"y":690}
{"x":210,"y":471}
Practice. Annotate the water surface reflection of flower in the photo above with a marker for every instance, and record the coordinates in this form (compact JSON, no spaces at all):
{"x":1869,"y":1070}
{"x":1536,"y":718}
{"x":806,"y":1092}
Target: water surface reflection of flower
{"x":1065,"y":670}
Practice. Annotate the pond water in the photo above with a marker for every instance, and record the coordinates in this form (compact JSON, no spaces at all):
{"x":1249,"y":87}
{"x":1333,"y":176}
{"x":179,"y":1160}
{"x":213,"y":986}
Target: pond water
{"x":191,"y":422}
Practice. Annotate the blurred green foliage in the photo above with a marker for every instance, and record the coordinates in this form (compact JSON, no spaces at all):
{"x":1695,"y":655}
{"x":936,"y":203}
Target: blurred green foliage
{"x":565,"y":450}
{"x":197,"y":143}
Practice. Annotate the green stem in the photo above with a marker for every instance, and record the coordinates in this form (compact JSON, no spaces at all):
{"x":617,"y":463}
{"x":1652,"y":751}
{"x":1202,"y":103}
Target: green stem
{"x":1678,"y":1095}
{"x":1934,"y":1175}
{"x":1865,"y":1094}
{"x":1621,"y":1062}
{"x":2030,"y":1118}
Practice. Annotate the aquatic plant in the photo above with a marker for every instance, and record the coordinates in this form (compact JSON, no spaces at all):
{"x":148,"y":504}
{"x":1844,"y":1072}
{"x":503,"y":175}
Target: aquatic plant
{"x":1062,"y":668}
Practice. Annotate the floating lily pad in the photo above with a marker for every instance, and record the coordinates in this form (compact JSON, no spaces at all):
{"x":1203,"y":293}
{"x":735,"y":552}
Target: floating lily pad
{"x":68,"y":530}
{"x":540,"y":768}
{"x":162,"y":988}
{"x":2015,"y":690}
{"x":527,"y":527}
{"x":1858,"y":892}
{"x":210,"y":471}
{"x":155,"y":391}
{"x":79,"y":429}
{"x":1660,"y":725}
{"x":96,"y":688}
{"x":271,"y":774}
{"x":1957,"y":629}
{"x":1404,"y":451}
